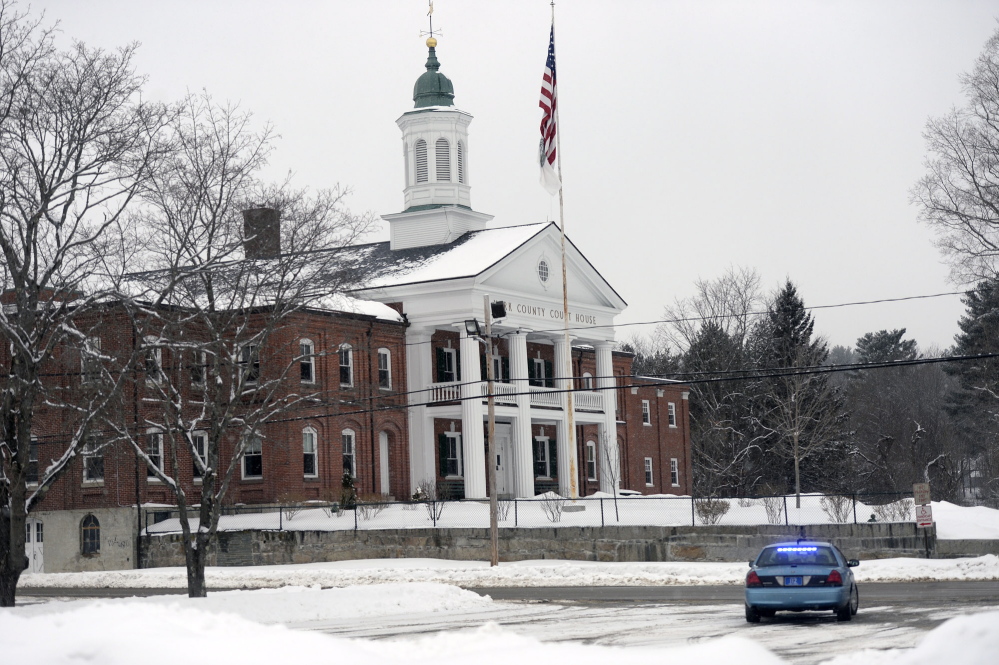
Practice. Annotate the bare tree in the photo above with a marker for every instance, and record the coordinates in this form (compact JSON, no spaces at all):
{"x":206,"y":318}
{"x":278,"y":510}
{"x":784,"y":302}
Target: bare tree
{"x":224,"y":285}
{"x":76,"y":143}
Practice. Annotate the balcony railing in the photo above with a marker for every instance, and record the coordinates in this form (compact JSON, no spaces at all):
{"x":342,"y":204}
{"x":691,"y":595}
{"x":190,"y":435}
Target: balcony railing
{"x":445,"y":392}
{"x":587,"y":401}
{"x":504,"y":392}
{"x":546,"y":397}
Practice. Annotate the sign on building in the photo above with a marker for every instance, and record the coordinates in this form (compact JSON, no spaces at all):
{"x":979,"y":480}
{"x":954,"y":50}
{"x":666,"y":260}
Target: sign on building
{"x":924,"y":516}
{"x":921,"y":493}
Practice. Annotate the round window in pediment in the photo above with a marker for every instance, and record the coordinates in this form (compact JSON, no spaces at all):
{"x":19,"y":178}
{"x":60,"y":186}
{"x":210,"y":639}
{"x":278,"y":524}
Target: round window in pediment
{"x":543,"y":271}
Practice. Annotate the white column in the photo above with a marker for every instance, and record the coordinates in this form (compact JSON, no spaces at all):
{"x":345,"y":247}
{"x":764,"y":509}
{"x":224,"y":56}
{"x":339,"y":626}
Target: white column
{"x":418,"y":378}
{"x":608,"y":454}
{"x":473,"y":440}
{"x":568,"y":465}
{"x":523,"y":441}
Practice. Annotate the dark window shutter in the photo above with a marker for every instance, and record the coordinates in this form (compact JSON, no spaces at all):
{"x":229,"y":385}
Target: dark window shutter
{"x":457,"y":365}
{"x":461,"y":458}
{"x":442,"y":449}
{"x":539,"y":465}
{"x":552,"y":458}
{"x":549,"y":375}
{"x":441,"y":367}
{"x":532,"y":378}
{"x":505,"y":369}
{"x":483,"y":369}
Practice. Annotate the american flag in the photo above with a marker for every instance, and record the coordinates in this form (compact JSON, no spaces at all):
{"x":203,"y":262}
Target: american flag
{"x":546,"y":150}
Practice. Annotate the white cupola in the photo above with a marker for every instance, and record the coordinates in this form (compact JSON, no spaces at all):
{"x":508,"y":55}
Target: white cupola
{"x":437,"y":196}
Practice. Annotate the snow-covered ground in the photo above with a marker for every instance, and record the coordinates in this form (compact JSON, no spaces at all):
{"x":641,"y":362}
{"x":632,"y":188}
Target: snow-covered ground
{"x":953,"y":521}
{"x":253,"y":627}
{"x":512,"y":574}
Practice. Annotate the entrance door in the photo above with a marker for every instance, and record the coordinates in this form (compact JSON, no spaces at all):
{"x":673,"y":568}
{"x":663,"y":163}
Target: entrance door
{"x":504,"y":462}
{"x":33,"y":537}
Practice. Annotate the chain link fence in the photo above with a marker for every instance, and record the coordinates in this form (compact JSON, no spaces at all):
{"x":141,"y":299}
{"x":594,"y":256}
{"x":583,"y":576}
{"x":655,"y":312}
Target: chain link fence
{"x":551,"y":510}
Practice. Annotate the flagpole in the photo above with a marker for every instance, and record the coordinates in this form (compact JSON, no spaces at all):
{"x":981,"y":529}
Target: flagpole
{"x":573,"y":492}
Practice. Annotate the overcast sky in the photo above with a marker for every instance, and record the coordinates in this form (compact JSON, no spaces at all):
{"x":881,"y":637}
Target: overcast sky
{"x":782,"y":135}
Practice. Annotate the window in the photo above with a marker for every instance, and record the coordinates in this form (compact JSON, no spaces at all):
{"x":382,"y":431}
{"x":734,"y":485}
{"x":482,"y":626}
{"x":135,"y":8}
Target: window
{"x":543,"y":271}
{"x":674,"y":472}
{"x":249,"y":359}
{"x":672,"y":414}
{"x":540,"y":373}
{"x":346,"y":366}
{"x":253,"y":458}
{"x":153,"y":361}
{"x":309,"y":465}
{"x":93,"y":461}
{"x":545,"y":464}
{"x":199,"y":362}
{"x":587,"y":381}
{"x":384,"y":369}
{"x":442,"y":153}
{"x":447,"y":365}
{"x":31,"y":477}
{"x":648,"y":472}
{"x":349,"y":462}
{"x":461,"y":162}
{"x":154,"y":449}
{"x":90,"y":363}
{"x":420,"y":148}
{"x":450,"y":452}
{"x":307,"y":351}
{"x":199,"y":445}
{"x":90,"y":536}
{"x":646,"y":413}
{"x":591,"y":460}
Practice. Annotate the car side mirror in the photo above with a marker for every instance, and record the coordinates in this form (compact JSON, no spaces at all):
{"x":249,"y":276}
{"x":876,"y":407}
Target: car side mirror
{"x":751,"y":563}
{"x":852,"y":563}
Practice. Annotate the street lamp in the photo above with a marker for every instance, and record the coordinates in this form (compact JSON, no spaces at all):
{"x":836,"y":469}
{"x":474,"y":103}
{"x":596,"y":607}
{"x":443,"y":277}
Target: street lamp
{"x":472,"y":328}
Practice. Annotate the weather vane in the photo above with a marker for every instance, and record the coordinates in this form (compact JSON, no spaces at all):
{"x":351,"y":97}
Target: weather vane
{"x":431,"y":33}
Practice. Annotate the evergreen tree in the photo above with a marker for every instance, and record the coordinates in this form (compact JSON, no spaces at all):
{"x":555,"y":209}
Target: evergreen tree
{"x":885,"y":347}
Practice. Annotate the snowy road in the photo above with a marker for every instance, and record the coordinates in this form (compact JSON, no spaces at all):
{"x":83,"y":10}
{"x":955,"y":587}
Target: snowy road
{"x":804,"y":639}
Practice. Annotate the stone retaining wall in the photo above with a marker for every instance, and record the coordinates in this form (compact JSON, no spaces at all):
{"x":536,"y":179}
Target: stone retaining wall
{"x":617,"y":543}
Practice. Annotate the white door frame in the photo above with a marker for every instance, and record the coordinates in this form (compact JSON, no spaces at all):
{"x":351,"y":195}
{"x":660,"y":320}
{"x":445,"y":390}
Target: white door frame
{"x":33,"y":545}
{"x":504,"y":453}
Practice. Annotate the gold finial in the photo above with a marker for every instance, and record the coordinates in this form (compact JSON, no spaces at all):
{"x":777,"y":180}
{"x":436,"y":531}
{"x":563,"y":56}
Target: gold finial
{"x":431,"y":42}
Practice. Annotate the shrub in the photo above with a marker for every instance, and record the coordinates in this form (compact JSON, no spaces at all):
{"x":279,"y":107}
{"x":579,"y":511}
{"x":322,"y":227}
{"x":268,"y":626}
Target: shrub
{"x":503,"y":508}
{"x":896,"y":511}
{"x":710,"y":509}
{"x":552,"y":505}
{"x":774,"y":505}
{"x":369,"y":505}
{"x":433,"y":501}
{"x":837,"y":508}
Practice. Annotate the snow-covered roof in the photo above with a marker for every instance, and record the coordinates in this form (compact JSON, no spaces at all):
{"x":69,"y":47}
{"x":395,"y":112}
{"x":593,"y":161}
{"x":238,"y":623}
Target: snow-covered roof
{"x":467,"y":256}
{"x":338,"y":302}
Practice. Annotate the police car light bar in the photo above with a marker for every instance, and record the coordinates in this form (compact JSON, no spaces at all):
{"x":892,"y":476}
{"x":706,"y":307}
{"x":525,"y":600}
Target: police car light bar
{"x":797,"y":549}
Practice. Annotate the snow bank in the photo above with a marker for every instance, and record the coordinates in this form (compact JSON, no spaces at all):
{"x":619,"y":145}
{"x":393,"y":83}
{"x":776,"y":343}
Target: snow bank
{"x":124,"y":633}
{"x":513,"y":574}
{"x":965,"y":523}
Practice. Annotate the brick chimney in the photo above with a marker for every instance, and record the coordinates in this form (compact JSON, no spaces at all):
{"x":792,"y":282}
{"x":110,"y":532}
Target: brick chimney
{"x":261,"y":233}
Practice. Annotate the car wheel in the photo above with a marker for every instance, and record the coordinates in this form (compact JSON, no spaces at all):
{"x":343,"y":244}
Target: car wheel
{"x":854,"y":601}
{"x":767,"y":613}
{"x":845,"y":613}
{"x":752,"y":616}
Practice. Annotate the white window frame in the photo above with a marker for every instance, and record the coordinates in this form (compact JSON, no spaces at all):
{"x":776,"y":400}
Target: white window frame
{"x":451,"y":357}
{"x":540,"y":380}
{"x":351,"y":436}
{"x":199,"y":367}
{"x":671,"y":410}
{"x":346,"y":351}
{"x":33,"y":459}
{"x":201,"y":454}
{"x":419,"y":176}
{"x":154,"y":442}
{"x":674,"y":472}
{"x":442,"y":160}
{"x":92,"y":450}
{"x":386,"y":355}
{"x":587,"y":381}
{"x":544,"y":441}
{"x":591,"y":460}
{"x":454,"y":445}
{"x":649,"y":480}
{"x":254,"y":448}
{"x":153,"y":360}
{"x":310,"y":439}
{"x":307,"y":351}
{"x":249,"y":361}
{"x":646,"y":413}
{"x":90,"y":362}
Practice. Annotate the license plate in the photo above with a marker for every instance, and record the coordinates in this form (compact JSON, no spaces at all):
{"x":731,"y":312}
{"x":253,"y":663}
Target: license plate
{"x":792,"y":581}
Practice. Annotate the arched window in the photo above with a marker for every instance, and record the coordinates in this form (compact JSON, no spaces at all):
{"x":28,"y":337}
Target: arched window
{"x":443,"y":157}
{"x":309,"y":461}
{"x":461,"y":162}
{"x":587,"y":381}
{"x":349,"y":441}
{"x":421,"y":161}
{"x":90,"y":536}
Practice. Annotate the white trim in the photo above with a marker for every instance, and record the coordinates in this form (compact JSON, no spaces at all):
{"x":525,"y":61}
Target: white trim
{"x":671,"y":409}
{"x":649,"y":478}
{"x":344,"y":434}
{"x":307,"y":359}
{"x":254,"y":450}
{"x":674,"y":472}
{"x":388,"y":368}
{"x":646,"y":413}
{"x":349,"y":365}
{"x":310,"y":431}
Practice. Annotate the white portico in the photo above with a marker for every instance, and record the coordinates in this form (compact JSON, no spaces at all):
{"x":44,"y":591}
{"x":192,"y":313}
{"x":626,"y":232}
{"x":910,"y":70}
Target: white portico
{"x":440,"y":262}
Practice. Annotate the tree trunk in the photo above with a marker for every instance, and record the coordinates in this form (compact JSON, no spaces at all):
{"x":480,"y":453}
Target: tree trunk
{"x":11,"y":565}
{"x":194,"y":555}
{"x":797,"y":475}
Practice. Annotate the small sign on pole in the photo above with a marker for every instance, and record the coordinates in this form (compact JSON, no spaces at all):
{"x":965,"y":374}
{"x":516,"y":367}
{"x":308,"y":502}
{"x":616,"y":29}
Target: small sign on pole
{"x":921,"y":493}
{"x":924,"y":516}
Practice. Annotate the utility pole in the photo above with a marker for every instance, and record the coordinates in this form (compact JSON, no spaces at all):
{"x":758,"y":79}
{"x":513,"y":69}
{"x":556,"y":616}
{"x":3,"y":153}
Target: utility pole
{"x":493,"y":507}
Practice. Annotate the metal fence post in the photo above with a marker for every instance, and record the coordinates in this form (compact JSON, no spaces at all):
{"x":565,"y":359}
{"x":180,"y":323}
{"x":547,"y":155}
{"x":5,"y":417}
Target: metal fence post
{"x":355,"y":516}
{"x":787,"y":522}
{"x":854,"y":507}
{"x":601,"y":512}
{"x":433,"y":512}
{"x":280,"y":518}
{"x":516,"y":517}
{"x":693,"y":522}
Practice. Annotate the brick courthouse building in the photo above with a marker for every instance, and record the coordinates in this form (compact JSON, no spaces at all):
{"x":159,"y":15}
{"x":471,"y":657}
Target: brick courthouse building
{"x":400,"y":344}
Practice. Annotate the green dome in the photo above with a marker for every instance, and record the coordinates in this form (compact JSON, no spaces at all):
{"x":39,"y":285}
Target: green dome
{"x":433,"y":88}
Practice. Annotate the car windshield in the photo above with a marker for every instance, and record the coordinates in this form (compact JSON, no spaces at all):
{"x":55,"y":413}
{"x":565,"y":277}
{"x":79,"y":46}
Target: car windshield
{"x":789,"y":555}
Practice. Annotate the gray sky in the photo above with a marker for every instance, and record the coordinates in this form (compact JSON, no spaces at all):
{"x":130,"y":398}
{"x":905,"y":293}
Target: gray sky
{"x":783,"y":135}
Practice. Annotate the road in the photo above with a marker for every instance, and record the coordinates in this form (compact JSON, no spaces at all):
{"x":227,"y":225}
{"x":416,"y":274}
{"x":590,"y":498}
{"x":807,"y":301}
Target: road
{"x":892,"y":616}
